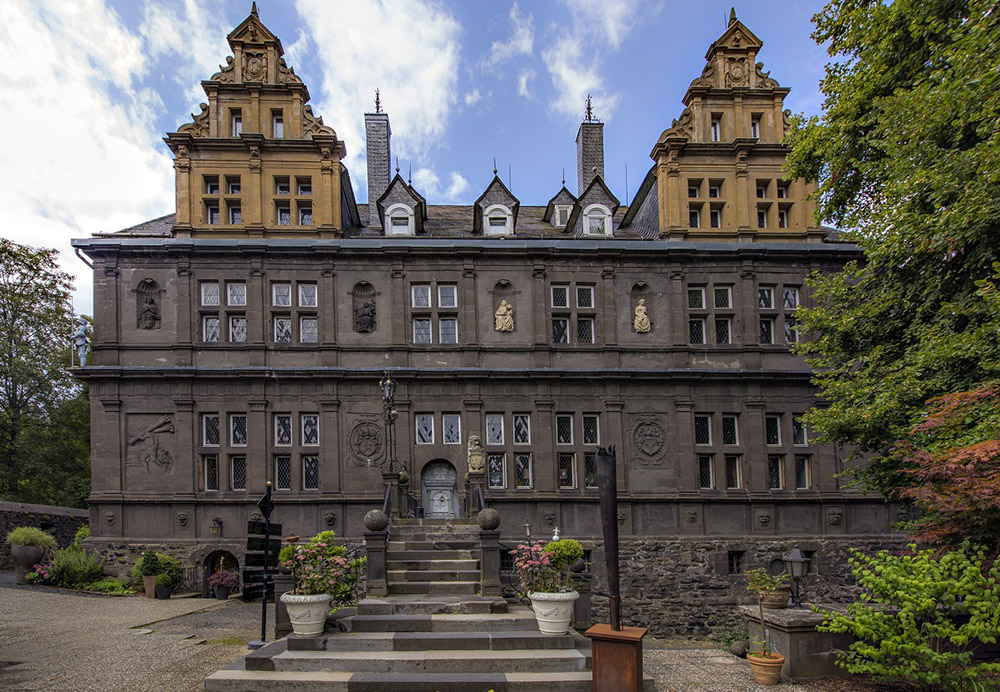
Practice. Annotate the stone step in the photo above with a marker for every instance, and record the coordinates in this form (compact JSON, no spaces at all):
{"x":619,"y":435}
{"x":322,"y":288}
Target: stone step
{"x":442,"y":523}
{"x":436,"y":641}
{"x":425,"y":604}
{"x":459,"y":565}
{"x":434,"y":661}
{"x":406,"y":555}
{"x":433,"y":544}
{"x":518,"y":619}
{"x":404,"y":575}
{"x":432,"y":587}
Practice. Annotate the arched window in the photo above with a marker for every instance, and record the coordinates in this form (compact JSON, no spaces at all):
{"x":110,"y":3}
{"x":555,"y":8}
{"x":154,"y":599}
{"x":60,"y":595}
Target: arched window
{"x":399,"y":220}
{"x":497,"y":220}
{"x":597,"y":220}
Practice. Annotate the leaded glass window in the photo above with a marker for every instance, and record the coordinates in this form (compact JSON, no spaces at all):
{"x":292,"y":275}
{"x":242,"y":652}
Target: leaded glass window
{"x":522,"y":470}
{"x":772,"y":430}
{"x":238,"y":430}
{"x":591,"y":429}
{"x":310,"y":473}
{"x":560,"y":330}
{"x":730,"y":431}
{"x":799,"y":436}
{"x":425,"y":428}
{"x":696,"y":331}
{"x":283,"y":429}
{"x":281,"y":295}
{"x":421,"y":295}
{"x":282,"y":330}
{"x":696,"y":298}
{"x":564,"y":429}
{"x":210,"y":430}
{"x":791,"y":333}
{"x":421,"y":331}
{"x":803,"y":481}
{"x":733,"y":475}
{"x":765,"y":298}
{"x":585,"y":330}
{"x":236,"y":294}
{"x":560,"y":296}
{"x":522,"y":428}
{"x":238,"y":472}
{"x":447,"y":296}
{"x":590,"y":470}
{"x":706,"y":472}
{"x":307,"y":295}
{"x":494,"y":429}
{"x":448,"y":330}
{"x":723,"y":297}
{"x":308,"y":330}
{"x":495,"y":470}
{"x":722,"y":331}
{"x":283,"y":473}
{"x":585,"y":294}
{"x":702,"y":430}
{"x":451,"y":428}
{"x":210,"y":329}
{"x":767,"y":331}
{"x":210,"y":293}
{"x":310,"y":429}
{"x":790,"y":298}
{"x":775,"y":472}
{"x":211,"y":472}
{"x":237,"y":329}
{"x":566,"y":473}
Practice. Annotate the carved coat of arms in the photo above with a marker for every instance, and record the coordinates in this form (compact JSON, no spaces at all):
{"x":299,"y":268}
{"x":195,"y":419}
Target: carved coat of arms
{"x":650,"y":440}
{"x":366,"y":442}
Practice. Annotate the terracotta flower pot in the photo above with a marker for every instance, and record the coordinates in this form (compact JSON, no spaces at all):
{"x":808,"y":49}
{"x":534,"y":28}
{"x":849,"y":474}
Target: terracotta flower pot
{"x":24,"y":557}
{"x":765,"y":671}
{"x":774,"y":600}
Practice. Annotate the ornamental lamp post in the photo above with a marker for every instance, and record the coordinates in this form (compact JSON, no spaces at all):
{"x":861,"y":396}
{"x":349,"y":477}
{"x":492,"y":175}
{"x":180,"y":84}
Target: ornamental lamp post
{"x":389,"y":415}
{"x":796,"y":565}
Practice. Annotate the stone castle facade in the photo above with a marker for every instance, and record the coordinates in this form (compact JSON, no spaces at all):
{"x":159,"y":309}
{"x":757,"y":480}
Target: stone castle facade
{"x":242,"y":338}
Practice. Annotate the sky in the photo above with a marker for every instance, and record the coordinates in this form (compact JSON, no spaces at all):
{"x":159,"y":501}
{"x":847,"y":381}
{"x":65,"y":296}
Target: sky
{"x":92,"y":86}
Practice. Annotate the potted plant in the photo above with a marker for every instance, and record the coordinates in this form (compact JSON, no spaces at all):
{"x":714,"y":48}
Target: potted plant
{"x":543,"y":570}
{"x":321,"y":573}
{"x":223,"y":583}
{"x":773,"y":590}
{"x":149,"y":567}
{"x":28,"y":545}
{"x":165,"y":584}
{"x":765,"y":665}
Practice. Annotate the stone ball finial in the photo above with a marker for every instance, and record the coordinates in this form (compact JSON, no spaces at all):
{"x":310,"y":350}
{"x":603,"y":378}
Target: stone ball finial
{"x":488,"y":519}
{"x":376,"y":520}
{"x":404,"y":477}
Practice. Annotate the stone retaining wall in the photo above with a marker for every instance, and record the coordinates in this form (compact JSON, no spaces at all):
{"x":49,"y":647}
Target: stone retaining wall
{"x":684,"y":587}
{"x":61,"y":522}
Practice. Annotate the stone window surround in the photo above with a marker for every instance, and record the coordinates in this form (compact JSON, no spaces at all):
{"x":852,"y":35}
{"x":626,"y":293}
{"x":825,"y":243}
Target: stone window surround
{"x":399,"y":210}
{"x":571,"y":313}
{"x":294,"y":451}
{"x":577,"y":447}
{"x":433,"y":313}
{"x":497,"y":210}
{"x":597,"y":213}
{"x":216,"y":310}
{"x":295,"y":311}
{"x":709,"y":314}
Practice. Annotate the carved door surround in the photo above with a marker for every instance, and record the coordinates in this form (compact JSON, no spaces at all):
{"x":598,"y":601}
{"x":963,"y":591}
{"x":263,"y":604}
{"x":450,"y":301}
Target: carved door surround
{"x":439,"y":488}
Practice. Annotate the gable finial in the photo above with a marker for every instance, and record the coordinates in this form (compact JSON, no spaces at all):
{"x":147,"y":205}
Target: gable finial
{"x":564,"y":178}
{"x":589,"y":114}
{"x":397,"y":165}
{"x":378,"y":102}
{"x":494,"y":165}
{"x":253,"y":9}
{"x":409,"y":175}
{"x":732,"y":15}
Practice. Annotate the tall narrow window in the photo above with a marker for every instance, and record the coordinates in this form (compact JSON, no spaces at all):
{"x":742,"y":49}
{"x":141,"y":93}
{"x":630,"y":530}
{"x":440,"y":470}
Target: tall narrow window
{"x":585,"y":296}
{"x":238,"y":430}
{"x":564,"y":429}
{"x":209,"y":293}
{"x":522,"y":428}
{"x":238,"y":473}
{"x":590,"y":470}
{"x":782,"y":218}
{"x":425,"y":428}
{"x":421,"y":330}
{"x":210,"y":329}
{"x":308,"y":330}
{"x":772,"y":430}
{"x":305,"y":216}
{"x":210,"y":429}
{"x":310,"y":472}
{"x":494,"y":429}
{"x":237,"y":122}
{"x":694,"y":218}
{"x":451,"y":428}
{"x":448,"y":330}
{"x":775,"y":472}
{"x":447,"y":296}
{"x":585,"y":330}
{"x":560,"y":330}
{"x":755,"y":128}
{"x":282,"y":330}
{"x":696,"y":331}
{"x":236,"y":294}
{"x":237,"y":329}
{"x":761,"y":218}
{"x":522,"y":471}
{"x":278,"y":125}
{"x":567,"y":478}
{"x":283,"y":473}
{"x":696,"y":298}
{"x":307,"y":295}
{"x":235,"y":215}
{"x":282,"y":429}
{"x":281,"y":295}
{"x":723,"y":331}
{"x":212,"y":215}
{"x":706,"y":472}
{"x":734,"y":476}
{"x":284,"y":215}
{"x":716,"y":130}
{"x":767,"y":330}
{"x":560,"y":296}
{"x":765,"y":298}
{"x":702,"y":429}
{"x":420,"y":295}
{"x":591,"y":429}
{"x":803,"y":472}
{"x":715,"y":218}
{"x":310,"y":429}
{"x":799,"y":436}
{"x":496,"y":470}
{"x":730,"y":430}
{"x":211,"y":462}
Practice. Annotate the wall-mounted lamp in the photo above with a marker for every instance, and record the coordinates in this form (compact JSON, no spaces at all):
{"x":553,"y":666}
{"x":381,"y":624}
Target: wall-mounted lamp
{"x":216,"y":526}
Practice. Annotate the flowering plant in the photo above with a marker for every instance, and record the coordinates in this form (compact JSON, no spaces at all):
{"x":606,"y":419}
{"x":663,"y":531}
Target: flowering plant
{"x":539,"y":570}
{"x":42,"y":574}
{"x":320,"y":566}
{"x":223,"y":578}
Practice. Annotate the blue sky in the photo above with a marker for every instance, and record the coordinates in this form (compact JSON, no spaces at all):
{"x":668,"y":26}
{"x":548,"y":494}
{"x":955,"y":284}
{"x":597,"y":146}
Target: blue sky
{"x":93,"y":85}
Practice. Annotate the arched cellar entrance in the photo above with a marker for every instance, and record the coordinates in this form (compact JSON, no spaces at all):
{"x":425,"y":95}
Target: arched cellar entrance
{"x":439,"y":488}
{"x":216,"y":562}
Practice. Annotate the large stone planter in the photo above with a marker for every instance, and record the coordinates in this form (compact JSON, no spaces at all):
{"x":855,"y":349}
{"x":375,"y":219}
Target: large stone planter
{"x":307,"y":612}
{"x":24,"y":557}
{"x":149,"y":585}
{"x":774,"y":600}
{"x":554,"y":611}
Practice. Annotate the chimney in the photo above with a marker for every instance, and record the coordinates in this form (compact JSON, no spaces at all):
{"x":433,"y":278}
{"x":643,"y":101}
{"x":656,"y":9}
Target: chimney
{"x":589,"y":150}
{"x":377,"y":135}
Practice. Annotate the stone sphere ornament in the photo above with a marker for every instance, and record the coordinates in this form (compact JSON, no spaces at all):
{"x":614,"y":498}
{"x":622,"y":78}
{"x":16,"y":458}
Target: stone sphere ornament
{"x":488,"y":519}
{"x":376,"y":520}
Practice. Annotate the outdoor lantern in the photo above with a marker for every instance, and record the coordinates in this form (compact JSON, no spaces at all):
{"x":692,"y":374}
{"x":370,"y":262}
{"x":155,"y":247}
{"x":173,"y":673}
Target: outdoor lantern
{"x":796,"y":565}
{"x":388,"y":386}
{"x":527,"y":531}
{"x":216,"y":526}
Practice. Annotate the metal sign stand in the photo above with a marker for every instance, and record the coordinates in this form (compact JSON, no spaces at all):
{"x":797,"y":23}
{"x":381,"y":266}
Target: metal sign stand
{"x":266,"y":506}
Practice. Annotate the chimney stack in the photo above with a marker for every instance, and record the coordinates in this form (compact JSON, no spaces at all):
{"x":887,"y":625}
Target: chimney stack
{"x":377,"y":135}
{"x":589,"y":150}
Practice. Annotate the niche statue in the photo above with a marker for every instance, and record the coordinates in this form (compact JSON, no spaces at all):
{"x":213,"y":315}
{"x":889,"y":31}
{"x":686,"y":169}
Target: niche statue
{"x":504,"y":317}
{"x":365,"y":317}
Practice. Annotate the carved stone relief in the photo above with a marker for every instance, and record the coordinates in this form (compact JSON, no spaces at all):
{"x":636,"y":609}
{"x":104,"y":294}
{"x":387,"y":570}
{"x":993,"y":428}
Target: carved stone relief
{"x":183,"y":519}
{"x":764,"y":80}
{"x":110,"y":518}
{"x":640,"y":323}
{"x":737,"y":73}
{"x":477,"y":459}
{"x":835,"y":517}
{"x":254,"y":67}
{"x":287,"y":74}
{"x":198,"y":127}
{"x":330,"y":519}
{"x":367,"y":442}
{"x":504,"y":317}
{"x":147,"y":308}
{"x":311,"y":124}
{"x":227,"y":73}
{"x":365,"y":307}
{"x":649,"y":440}
{"x":149,"y":444}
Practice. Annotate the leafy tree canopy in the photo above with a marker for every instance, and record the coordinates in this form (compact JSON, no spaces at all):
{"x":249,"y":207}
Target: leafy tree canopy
{"x":907,"y":157}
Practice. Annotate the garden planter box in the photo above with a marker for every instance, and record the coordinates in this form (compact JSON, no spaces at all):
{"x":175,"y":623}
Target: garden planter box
{"x":792,"y":633}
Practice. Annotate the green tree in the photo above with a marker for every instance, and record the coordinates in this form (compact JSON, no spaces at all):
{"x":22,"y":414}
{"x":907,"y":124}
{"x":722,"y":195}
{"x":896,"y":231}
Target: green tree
{"x":907,"y":156}
{"x":36,"y":389}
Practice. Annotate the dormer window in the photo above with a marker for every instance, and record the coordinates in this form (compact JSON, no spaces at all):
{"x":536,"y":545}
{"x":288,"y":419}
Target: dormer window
{"x":499,"y":220}
{"x":561,"y":217}
{"x":400,"y":220}
{"x":597,"y":220}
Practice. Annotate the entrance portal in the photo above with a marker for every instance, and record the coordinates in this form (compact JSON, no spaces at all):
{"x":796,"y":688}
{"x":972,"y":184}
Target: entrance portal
{"x":438,"y":482}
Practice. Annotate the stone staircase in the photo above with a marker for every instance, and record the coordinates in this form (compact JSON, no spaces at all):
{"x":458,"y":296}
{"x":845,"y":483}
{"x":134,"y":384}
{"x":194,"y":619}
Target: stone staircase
{"x":432,"y":633}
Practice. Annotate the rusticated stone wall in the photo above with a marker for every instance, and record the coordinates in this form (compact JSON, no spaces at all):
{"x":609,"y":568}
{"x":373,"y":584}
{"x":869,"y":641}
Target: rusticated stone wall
{"x":61,"y":522}
{"x":684,"y":587}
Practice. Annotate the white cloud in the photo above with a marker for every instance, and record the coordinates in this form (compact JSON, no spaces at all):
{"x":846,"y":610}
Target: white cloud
{"x":296,"y":52}
{"x":523,"y":83}
{"x":84,"y":159}
{"x":574,"y":56}
{"x":456,"y":186}
{"x":428,"y":183}
{"x":473,"y":97}
{"x":412,"y":58}
{"x":521,"y":41}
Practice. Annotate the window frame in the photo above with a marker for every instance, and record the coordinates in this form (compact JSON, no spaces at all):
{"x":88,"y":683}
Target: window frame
{"x":496,"y":415}
{"x":417,"y":427}
{"x":302,"y":430}
{"x":599,"y":213}
{"x":444,"y":428}
{"x":708,"y":428}
{"x":496,"y":211}
{"x":572,"y":435}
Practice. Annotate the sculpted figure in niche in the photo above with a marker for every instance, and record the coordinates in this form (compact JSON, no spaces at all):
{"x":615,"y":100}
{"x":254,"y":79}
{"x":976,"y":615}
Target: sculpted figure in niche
{"x":504,"y":317}
{"x":149,"y":314}
{"x":477,"y":460}
{"x":641,"y":321}
{"x":366,"y":317}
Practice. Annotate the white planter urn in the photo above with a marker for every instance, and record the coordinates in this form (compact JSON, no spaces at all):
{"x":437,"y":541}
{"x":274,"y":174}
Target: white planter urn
{"x":307,"y":613}
{"x":554,"y":611}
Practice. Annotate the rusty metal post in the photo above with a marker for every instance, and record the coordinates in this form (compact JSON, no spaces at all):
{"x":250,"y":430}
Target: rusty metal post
{"x":607,"y":484}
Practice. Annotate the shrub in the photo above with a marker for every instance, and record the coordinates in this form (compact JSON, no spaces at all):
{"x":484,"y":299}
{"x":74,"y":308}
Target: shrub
{"x":149,"y":565}
{"x":921,"y":616}
{"x":761,"y":581}
{"x":541,"y":568}
{"x":154,"y":563}
{"x":224,"y":578}
{"x":74,"y":567}
{"x":165,"y":580}
{"x":109,"y":585}
{"x":320,"y":566}
{"x":563,"y":552}
{"x":82,"y":534}
{"x":30,"y":535}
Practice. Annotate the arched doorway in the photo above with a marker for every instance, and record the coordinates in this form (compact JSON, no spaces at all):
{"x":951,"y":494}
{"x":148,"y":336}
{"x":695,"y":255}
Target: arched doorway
{"x":439,"y":486}
{"x":216,"y":562}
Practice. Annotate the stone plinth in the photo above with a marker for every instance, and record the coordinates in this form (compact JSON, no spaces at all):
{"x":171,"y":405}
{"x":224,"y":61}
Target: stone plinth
{"x":792,"y":633}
